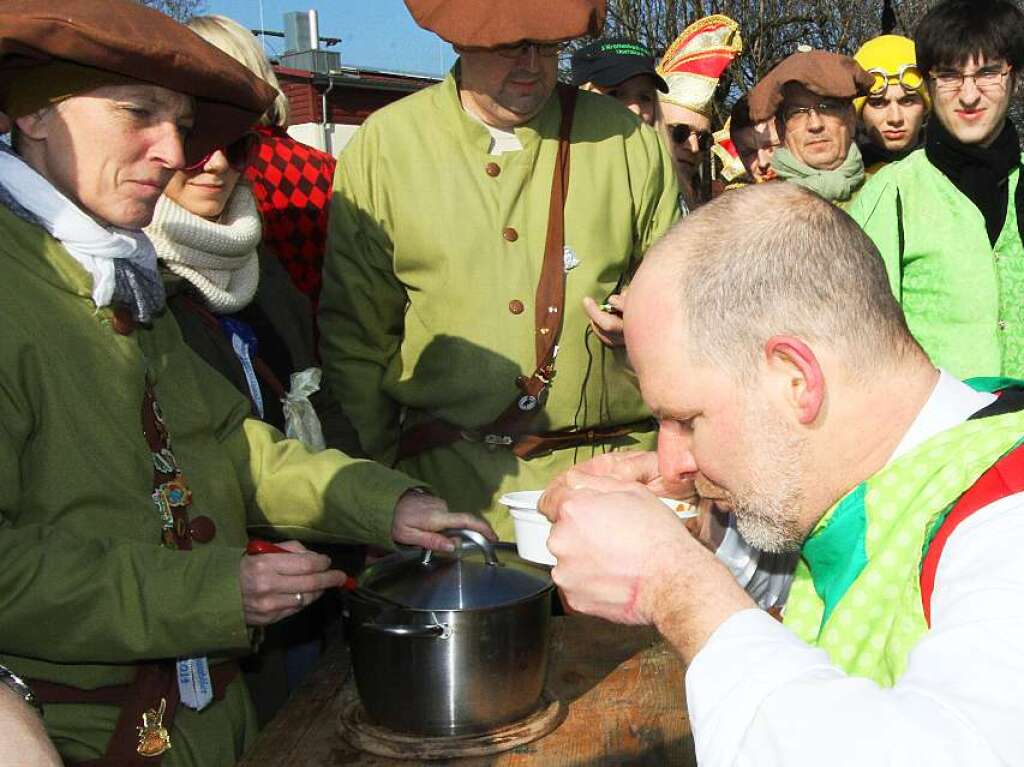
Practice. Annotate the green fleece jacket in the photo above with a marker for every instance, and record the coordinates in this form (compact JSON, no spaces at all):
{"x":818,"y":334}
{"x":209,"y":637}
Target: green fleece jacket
{"x":963,"y":298}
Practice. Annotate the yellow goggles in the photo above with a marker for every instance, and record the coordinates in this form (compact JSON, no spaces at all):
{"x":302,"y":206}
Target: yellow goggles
{"x":908,"y":76}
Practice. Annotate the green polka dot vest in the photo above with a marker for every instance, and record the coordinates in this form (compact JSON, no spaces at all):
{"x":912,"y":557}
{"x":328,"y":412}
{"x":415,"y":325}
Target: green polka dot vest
{"x":856,"y":592}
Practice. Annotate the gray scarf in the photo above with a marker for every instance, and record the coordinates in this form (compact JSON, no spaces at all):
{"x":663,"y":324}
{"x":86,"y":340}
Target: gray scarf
{"x":836,"y":185}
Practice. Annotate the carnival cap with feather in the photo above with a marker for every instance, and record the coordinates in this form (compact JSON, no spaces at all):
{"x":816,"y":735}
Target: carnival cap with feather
{"x":696,"y":60}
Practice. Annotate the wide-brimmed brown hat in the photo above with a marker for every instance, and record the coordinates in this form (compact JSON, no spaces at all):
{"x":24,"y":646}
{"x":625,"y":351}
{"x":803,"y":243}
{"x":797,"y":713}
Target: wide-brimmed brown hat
{"x":822,"y":72}
{"x":489,"y":24}
{"x":131,"y":41}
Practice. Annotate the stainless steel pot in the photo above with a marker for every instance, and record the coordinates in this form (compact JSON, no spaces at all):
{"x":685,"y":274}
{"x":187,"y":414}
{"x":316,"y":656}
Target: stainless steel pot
{"x":466,"y":651}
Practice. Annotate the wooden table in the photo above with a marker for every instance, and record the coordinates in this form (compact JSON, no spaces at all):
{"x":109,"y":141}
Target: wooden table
{"x":624,"y":684}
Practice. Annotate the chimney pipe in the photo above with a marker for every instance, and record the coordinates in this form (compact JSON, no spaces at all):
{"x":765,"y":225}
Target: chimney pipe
{"x":314,"y":31}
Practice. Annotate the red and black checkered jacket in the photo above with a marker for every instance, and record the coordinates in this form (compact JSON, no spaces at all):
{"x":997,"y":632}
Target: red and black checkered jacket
{"x":292,"y":184}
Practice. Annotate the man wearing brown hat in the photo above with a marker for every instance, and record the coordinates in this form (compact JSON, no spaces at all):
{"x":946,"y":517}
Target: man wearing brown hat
{"x":460,"y":318}
{"x":129,"y":470}
{"x":811,"y":93}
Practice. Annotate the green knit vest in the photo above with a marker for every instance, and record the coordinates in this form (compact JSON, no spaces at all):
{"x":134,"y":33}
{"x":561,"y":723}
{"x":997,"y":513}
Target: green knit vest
{"x":856,"y":593}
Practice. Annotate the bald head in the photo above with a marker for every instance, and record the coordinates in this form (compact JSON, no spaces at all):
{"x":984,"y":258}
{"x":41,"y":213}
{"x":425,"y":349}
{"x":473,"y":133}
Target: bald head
{"x":798,"y":266}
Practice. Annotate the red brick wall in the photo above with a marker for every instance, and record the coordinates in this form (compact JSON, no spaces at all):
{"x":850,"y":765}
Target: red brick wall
{"x":348,"y":104}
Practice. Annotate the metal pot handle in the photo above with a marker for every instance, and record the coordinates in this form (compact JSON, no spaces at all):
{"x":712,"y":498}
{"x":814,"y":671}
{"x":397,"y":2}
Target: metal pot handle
{"x":469,"y":536}
{"x":435,"y":631}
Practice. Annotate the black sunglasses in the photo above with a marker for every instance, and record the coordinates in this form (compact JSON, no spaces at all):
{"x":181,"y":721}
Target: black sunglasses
{"x":680,"y":133}
{"x":239,"y":153}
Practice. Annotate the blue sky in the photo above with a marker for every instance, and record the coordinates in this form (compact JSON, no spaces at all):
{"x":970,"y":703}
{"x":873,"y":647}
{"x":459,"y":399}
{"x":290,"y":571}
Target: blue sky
{"x":375,"y":33}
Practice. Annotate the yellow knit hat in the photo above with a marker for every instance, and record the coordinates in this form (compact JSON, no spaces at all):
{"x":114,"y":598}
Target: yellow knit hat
{"x":890,"y":53}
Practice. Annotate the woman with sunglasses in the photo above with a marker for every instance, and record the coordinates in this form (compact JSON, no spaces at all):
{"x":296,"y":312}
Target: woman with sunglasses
{"x":892,"y":115}
{"x":233,"y":300}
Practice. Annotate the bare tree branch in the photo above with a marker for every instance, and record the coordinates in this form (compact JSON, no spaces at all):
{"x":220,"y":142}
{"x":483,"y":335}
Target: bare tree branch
{"x":179,"y":10}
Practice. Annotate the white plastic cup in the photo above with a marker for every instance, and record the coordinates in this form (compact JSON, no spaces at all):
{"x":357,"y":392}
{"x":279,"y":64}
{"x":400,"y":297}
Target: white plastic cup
{"x":532,"y":528}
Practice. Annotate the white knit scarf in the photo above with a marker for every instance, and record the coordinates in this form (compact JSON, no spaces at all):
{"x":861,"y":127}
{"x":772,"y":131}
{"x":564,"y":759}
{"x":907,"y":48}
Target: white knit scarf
{"x":218,"y":258}
{"x":122,"y":262}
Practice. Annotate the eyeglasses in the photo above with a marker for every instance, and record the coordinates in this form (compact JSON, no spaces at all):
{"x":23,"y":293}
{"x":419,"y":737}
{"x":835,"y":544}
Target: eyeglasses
{"x":680,"y":133}
{"x":239,"y":153}
{"x":908,"y":76}
{"x":985,"y":79}
{"x":800,"y":115}
{"x":547,"y":50}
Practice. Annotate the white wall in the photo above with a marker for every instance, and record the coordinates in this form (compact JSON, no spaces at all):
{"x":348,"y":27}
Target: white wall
{"x":313,"y":134}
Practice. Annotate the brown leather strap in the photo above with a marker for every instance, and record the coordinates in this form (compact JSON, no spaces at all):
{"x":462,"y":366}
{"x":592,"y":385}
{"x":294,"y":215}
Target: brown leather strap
{"x":437,"y":433}
{"x":548,"y":318}
{"x":153,"y":682}
{"x":531,"y":445}
{"x":550,"y":297}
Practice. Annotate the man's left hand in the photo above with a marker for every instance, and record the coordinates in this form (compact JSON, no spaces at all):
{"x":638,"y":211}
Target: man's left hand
{"x":607,"y":325}
{"x":624,"y":556}
{"x":419,"y":518}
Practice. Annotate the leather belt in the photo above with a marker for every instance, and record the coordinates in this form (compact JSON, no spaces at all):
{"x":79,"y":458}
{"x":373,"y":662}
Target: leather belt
{"x":153,"y":682}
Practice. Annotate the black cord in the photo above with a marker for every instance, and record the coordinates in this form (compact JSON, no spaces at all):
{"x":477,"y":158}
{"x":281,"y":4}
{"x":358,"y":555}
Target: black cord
{"x":582,"y":408}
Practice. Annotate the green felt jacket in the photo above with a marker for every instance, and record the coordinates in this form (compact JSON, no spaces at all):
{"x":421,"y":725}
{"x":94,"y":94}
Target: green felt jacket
{"x":434,"y":254}
{"x":86,"y":589}
{"x":964,"y":299}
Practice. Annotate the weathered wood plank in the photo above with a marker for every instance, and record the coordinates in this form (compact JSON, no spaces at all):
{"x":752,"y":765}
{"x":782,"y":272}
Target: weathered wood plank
{"x":627,"y":708}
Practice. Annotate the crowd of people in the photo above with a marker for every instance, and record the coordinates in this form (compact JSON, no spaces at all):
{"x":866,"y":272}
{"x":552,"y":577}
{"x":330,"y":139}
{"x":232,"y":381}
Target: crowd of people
{"x":506,"y":283}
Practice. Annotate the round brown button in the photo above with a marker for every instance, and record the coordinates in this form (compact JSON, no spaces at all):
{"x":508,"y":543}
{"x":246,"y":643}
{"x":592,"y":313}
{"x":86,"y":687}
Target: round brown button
{"x":203,"y":529}
{"x":493,"y":169}
{"x":122,"y":321}
{"x":515,"y":306}
{"x":510,"y":234}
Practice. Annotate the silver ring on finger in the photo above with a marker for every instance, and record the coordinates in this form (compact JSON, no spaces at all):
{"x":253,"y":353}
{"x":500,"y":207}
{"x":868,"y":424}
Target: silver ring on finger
{"x":300,"y":599}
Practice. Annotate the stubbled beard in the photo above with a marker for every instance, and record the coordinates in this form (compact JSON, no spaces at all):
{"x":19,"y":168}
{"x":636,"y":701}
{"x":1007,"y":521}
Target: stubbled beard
{"x":763,"y":523}
{"x":767,"y":511}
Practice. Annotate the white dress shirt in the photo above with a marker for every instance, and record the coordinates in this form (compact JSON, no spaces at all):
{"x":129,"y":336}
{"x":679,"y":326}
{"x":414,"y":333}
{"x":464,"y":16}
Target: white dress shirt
{"x":758,"y":695}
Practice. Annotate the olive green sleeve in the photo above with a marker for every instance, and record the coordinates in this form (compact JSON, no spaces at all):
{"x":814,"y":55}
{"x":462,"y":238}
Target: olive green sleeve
{"x":362,"y":306}
{"x":103,"y":598}
{"x":323,"y":496}
{"x":876,"y":210}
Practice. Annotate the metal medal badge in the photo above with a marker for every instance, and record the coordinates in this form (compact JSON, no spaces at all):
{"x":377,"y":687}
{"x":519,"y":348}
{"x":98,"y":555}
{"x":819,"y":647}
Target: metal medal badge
{"x":154,"y":739}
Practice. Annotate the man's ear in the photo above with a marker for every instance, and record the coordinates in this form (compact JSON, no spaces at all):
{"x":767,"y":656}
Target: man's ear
{"x":794,"y":364}
{"x":35,"y":125}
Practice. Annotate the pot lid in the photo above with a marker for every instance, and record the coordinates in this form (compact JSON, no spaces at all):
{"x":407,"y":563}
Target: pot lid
{"x":471,"y":577}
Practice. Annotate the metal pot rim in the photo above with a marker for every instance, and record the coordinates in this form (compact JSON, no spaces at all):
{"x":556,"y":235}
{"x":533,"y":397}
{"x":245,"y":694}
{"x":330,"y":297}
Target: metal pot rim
{"x":366,"y":593}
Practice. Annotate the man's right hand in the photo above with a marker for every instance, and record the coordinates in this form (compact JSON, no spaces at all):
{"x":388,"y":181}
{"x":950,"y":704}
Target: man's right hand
{"x":641,"y":467}
{"x":708,"y":526}
{"x":275,"y":586}
{"x":623,"y":556}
